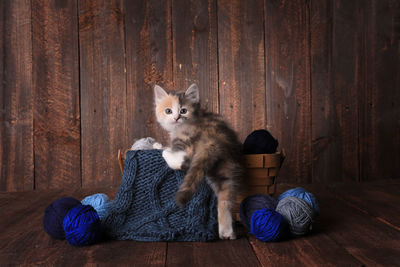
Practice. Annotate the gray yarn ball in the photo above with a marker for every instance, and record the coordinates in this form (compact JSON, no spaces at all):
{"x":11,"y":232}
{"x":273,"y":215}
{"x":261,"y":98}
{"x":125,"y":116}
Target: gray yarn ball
{"x":298,"y":213}
{"x":145,"y":144}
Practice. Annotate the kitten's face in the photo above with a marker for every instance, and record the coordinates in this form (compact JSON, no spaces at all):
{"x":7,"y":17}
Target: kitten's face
{"x":173,"y":109}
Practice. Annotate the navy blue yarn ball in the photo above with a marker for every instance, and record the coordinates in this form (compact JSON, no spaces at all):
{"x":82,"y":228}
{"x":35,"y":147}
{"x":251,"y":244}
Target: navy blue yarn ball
{"x":253,"y":203}
{"x":268,"y":225}
{"x":82,"y":226}
{"x":54,"y":215}
{"x":260,"y":142}
{"x":301,"y":193}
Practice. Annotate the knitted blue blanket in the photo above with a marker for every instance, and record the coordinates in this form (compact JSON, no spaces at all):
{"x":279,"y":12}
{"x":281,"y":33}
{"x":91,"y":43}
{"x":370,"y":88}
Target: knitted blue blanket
{"x":145,"y":210}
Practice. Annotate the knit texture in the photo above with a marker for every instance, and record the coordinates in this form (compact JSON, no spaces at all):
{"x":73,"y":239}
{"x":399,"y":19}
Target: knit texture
{"x":145,"y":210}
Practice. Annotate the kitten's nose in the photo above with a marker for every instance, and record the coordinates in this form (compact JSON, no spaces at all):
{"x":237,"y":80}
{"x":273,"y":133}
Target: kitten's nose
{"x":177,"y":118}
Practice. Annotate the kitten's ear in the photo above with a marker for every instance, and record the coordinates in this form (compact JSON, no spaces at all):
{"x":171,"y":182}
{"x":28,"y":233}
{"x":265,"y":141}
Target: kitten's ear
{"x":192,"y":93}
{"x":159,"y":93}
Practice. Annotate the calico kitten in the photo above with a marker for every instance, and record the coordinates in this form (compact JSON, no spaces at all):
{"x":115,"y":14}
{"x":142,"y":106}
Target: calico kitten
{"x":203,"y":145}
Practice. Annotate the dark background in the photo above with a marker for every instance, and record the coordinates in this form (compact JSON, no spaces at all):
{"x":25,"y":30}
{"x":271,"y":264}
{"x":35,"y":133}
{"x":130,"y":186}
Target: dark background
{"x":322,"y":76}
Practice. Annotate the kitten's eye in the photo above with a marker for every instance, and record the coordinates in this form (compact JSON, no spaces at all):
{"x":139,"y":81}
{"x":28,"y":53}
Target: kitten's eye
{"x":168,"y":111}
{"x":183,"y":111}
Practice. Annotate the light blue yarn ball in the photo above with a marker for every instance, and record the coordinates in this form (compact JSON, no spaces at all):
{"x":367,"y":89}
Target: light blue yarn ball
{"x":301,"y":193}
{"x":98,"y":202}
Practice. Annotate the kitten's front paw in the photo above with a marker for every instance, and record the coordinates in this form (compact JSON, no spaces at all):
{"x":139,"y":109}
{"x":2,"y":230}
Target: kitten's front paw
{"x":174,"y":159}
{"x":182,"y":197}
{"x":226,"y":232}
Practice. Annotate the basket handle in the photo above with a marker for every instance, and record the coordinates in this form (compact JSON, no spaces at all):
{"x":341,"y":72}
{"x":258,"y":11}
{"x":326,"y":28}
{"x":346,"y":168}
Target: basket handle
{"x":283,"y":156}
{"x":121,"y":159}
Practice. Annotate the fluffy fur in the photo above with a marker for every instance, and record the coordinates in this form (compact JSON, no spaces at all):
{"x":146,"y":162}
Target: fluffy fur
{"x":203,"y":145}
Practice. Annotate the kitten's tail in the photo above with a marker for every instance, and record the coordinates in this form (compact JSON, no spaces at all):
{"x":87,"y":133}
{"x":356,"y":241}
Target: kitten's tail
{"x":201,"y":162}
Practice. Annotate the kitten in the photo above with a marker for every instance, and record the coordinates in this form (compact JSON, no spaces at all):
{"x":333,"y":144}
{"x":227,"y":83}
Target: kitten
{"x":203,"y":145}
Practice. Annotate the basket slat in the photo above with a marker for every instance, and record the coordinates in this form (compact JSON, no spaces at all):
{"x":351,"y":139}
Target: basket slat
{"x":254,"y":161}
{"x":259,"y":176}
{"x":261,"y":171}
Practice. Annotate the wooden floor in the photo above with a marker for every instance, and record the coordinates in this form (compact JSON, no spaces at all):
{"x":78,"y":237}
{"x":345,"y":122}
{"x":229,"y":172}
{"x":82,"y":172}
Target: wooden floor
{"x":359,"y":225}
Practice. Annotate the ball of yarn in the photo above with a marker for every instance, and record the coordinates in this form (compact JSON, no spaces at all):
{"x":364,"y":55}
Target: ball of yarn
{"x":268,"y":225}
{"x":301,"y":193}
{"x":82,"y":226}
{"x":298,"y":214}
{"x":98,"y":202}
{"x":54,"y":215}
{"x":253,"y":203}
{"x":260,"y":142}
{"x":145,"y":143}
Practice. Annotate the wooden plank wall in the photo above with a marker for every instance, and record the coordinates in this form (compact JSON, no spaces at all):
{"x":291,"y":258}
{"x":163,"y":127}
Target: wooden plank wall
{"x":76,"y":82}
{"x":55,"y":88}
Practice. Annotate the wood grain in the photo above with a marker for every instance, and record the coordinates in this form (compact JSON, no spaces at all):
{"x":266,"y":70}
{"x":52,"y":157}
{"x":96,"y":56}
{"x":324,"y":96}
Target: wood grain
{"x":56,"y":94}
{"x":28,"y":212}
{"x":16,"y":115}
{"x":22,"y":224}
{"x":110,"y":253}
{"x":103,"y":90}
{"x":347,"y":232}
{"x":379,"y":121}
{"x":383,"y":202}
{"x":148,"y":62}
{"x":195,"y":55}
{"x":219,"y":253}
{"x":241,"y":64}
{"x":288,"y":99}
{"x":370,"y":241}
{"x":347,"y":83}
{"x":336,"y":80}
{"x":77,"y":77}
{"x":326,"y":133}
{"x":313,"y":250}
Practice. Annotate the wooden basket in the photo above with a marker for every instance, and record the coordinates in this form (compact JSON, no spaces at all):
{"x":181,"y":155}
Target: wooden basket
{"x":261,"y":173}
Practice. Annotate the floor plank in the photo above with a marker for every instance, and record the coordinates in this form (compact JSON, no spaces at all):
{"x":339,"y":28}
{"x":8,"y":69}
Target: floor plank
{"x":21,"y":226}
{"x":22,"y":229}
{"x":347,"y":233}
{"x":219,"y":253}
{"x":378,"y":201}
{"x":8,"y":198}
{"x":369,"y":240}
{"x":23,"y":210}
{"x":313,"y":250}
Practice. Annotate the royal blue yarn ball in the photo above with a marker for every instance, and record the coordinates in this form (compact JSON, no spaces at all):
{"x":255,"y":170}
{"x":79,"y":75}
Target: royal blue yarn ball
{"x":82,"y":226}
{"x":268,"y":225}
{"x":98,"y":202}
{"x":253,"y":203}
{"x":260,"y":142}
{"x":54,"y":215}
{"x":301,"y":193}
